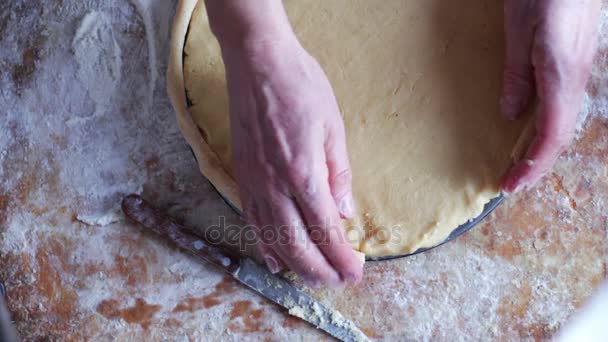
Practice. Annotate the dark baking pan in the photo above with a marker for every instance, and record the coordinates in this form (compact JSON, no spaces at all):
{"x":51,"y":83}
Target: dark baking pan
{"x":489,"y":207}
{"x":463,"y":228}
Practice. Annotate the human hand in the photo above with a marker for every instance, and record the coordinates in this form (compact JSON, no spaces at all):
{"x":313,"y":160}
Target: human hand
{"x":290,"y":160}
{"x":550,"y":46}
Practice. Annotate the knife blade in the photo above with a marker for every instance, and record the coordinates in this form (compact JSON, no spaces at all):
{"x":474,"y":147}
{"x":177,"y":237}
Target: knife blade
{"x":7,"y":331}
{"x":245,"y":270}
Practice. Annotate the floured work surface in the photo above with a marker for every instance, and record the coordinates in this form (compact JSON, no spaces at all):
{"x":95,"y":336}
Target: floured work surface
{"x":418,"y":84}
{"x":518,"y":276}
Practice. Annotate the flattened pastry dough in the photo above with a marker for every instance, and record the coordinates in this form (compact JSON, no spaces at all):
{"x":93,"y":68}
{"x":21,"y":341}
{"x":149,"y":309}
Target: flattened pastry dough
{"x":418,"y":83}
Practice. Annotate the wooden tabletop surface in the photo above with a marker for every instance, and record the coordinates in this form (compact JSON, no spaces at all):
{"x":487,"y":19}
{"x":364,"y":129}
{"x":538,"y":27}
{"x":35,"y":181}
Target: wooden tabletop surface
{"x":85,"y":119}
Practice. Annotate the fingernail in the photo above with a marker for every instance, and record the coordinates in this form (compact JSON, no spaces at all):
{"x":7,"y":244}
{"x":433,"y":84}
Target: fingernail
{"x":528,"y":162}
{"x":311,"y":282}
{"x":509,"y":187}
{"x":347,"y":206}
{"x":511,"y":107}
{"x":508,"y":192}
{"x":520,"y":187}
{"x":506,"y":186}
{"x":350,"y":277}
{"x":272,"y":264}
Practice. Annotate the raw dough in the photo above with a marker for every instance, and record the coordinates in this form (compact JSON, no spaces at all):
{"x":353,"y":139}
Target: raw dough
{"x":418,"y":83}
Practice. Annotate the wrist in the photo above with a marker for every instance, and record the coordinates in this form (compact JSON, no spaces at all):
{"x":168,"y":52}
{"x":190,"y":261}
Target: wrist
{"x":248,"y":25}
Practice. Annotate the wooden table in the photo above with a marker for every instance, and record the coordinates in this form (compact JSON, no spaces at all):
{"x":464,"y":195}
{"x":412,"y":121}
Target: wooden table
{"x":85,"y":120}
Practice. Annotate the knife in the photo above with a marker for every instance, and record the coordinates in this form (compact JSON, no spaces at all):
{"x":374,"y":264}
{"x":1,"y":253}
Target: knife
{"x":7,"y":332}
{"x":245,"y":270}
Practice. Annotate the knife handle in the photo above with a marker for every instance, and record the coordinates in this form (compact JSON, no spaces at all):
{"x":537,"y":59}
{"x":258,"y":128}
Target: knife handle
{"x":142,"y":212}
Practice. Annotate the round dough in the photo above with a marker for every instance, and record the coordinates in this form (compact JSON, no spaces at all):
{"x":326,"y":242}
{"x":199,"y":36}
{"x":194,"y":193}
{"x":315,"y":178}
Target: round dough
{"x":418,"y":83}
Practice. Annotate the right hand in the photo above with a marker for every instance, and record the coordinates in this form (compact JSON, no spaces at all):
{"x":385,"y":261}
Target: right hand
{"x":550,"y":46}
{"x":290,"y":159}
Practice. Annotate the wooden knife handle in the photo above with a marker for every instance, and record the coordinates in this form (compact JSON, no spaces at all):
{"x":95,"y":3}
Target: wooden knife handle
{"x":142,"y":212}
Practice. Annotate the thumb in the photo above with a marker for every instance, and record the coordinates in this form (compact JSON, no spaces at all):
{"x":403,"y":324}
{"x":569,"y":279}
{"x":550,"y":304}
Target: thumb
{"x":340,"y":174}
{"x":518,"y":77}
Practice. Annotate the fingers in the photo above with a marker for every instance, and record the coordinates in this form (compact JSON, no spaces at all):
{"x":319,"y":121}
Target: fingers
{"x":273,"y":261}
{"x":293,"y":244}
{"x":318,"y":208}
{"x":252,"y":216}
{"x":340,"y":175}
{"x":518,"y":79}
{"x":271,"y":258}
{"x":542,"y":153}
{"x":555,"y":124}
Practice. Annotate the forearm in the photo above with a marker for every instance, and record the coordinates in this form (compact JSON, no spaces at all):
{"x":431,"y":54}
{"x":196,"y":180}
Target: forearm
{"x":248,"y":22}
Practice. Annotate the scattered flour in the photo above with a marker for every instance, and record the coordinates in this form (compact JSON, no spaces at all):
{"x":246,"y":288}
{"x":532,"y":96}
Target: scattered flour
{"x":92,"y":123}
{"x":99,"y":59}
{"x":102,"y":219}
